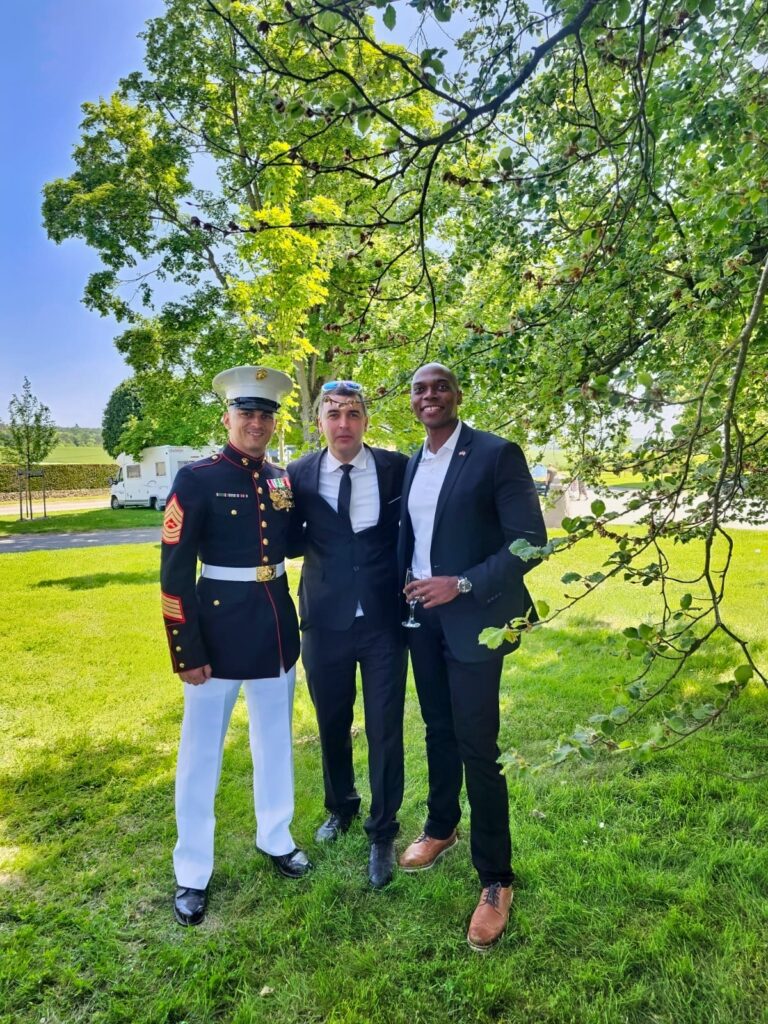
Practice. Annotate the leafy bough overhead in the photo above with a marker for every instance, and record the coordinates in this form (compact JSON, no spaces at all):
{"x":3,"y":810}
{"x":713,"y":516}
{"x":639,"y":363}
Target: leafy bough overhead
{"x":567,"y":203}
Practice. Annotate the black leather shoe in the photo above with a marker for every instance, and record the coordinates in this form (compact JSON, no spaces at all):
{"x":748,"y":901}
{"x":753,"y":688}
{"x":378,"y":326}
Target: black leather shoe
{"x":292,"y":865}
{"x":381,"y":863}
{"x":189,"y":905}
{"x":333,"y":826}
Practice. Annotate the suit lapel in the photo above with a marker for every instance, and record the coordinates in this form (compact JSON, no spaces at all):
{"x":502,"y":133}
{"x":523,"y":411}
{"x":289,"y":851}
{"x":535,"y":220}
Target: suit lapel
{"x":461,"y":455}
{"x":383,"y":473}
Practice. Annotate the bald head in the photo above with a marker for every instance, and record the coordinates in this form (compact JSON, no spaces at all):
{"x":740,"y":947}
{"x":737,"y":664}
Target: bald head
{"x":439,"y":368}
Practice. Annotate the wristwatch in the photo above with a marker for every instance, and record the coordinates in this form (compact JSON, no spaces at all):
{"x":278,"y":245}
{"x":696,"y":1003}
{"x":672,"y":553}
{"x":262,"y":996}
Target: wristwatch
{"x":463,"y":585}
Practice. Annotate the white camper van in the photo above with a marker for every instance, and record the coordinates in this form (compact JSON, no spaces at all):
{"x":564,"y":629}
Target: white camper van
{"x":147,"y":480}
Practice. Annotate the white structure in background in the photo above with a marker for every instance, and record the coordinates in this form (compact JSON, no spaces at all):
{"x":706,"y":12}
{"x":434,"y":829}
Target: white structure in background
{"x":147,"y":480}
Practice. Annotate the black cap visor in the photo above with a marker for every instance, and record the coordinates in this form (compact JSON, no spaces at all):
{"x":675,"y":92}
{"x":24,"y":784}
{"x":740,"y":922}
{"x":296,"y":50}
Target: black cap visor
{"x":264,"y":404}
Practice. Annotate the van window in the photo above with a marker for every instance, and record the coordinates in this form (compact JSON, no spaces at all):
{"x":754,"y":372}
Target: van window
{"x":133,"y":472}
{"x":160,"y":469}
{"x":119,"y":477}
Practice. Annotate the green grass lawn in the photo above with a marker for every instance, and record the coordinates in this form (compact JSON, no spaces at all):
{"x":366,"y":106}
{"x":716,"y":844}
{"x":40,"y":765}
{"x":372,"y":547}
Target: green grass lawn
{"x":76,"y":522}
{"x":643,"y":887}
{"x":69,"y":454}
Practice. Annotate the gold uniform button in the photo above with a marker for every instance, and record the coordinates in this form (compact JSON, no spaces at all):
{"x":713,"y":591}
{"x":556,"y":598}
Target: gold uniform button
{"x":265,"y":542}
{"x":182,"y":665}
{"x":264,"y":523}
{"x":262,"y":506}
{"x":175,"y":632}
{"x":233,"y":512}
{"x":244,"y":461}
{"x":216,"y":603}
{"x":265,"y":558}
{"x":259,"y":490}
{"x":178,"y":648}
{"x":255,"y":476}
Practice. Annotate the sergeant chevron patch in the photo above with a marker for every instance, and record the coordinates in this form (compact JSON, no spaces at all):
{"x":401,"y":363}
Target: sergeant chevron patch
{"x":172,"y":608}
{"x":173,"y":520}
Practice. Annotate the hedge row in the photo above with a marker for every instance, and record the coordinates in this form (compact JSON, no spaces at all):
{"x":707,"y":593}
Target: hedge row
{"x":60,"y":478}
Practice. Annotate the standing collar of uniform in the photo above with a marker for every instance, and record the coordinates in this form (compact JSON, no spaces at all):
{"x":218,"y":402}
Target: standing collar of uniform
{"x":450,"y":444}
{"x":331,"y":463}
{"x":242,"y":459}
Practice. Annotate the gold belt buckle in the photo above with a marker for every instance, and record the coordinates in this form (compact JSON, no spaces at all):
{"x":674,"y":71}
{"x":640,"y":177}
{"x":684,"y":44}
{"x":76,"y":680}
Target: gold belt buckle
{"x":264,"y":573}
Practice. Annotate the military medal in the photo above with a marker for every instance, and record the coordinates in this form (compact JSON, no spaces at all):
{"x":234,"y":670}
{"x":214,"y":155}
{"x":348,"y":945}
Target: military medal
{"x":280,"y":492}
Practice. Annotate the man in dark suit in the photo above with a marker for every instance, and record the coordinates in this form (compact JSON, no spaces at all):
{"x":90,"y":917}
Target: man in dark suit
{"x":347,"y":510}
{"x":467,"y":496}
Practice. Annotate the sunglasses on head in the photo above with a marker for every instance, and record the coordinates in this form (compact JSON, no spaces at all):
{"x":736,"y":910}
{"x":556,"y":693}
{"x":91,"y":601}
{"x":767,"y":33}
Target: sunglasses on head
{"x":331,"y":385}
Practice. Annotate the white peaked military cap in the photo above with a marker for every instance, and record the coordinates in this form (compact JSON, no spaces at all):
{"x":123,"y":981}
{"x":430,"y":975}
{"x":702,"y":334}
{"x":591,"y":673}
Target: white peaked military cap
{"x":252,"y":387}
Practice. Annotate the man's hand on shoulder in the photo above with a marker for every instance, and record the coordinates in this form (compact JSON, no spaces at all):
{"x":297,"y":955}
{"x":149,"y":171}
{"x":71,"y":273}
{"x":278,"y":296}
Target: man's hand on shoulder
{"x":196,"y":676}
{"x":434,"y":591}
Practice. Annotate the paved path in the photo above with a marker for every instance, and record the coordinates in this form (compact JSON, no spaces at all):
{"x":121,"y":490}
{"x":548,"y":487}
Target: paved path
{"x":11,"y":508}
{"x":92,"y":539}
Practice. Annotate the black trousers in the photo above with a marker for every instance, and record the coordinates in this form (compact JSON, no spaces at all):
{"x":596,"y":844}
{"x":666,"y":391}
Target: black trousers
{"x":330,"y":660}
{"x":460,"y":707}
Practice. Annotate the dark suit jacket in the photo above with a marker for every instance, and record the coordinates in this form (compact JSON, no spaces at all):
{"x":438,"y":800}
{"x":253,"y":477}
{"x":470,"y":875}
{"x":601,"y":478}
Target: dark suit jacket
{"x":342,"y":567}
{"x":487,"y":500}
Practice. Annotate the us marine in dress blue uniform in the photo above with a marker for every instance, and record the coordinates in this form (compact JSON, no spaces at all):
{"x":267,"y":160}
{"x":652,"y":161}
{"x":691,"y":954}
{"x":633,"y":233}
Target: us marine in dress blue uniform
{"x":233,"y":626}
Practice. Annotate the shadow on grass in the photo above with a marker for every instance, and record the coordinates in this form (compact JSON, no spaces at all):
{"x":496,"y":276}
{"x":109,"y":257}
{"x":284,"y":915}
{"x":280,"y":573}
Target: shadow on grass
{"x":100,"y":579}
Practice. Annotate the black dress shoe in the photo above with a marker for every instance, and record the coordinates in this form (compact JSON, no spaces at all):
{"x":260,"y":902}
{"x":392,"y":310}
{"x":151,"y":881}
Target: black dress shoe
{"x":189,"y":905}
{"x":292,"y":865}
{"x":333,"y":826}
{"x":381,"y":863}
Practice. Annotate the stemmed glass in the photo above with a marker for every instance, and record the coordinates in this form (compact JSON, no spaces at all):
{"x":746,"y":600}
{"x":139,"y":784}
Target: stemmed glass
{"x":411,"y":623}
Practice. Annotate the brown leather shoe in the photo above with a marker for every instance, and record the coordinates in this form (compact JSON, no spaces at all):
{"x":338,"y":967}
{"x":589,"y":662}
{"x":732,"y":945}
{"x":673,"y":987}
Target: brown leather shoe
{"x":424,"y":851}
{"x":490,"y":917}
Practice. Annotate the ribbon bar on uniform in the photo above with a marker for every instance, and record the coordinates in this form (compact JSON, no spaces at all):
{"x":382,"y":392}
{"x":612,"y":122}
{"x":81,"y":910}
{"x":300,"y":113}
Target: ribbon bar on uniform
{"x":247,"y":574}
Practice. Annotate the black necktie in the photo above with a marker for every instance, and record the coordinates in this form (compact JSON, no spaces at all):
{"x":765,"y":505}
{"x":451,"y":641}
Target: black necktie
{"x":345,"y":493}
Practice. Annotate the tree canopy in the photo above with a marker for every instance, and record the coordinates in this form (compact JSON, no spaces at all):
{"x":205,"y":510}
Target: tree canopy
{"x":31,"y":430}
{"x":568,"y":204}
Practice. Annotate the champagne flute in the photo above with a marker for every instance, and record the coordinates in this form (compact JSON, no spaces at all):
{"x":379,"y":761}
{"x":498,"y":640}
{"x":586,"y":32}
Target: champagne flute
{"x":411,"y":623}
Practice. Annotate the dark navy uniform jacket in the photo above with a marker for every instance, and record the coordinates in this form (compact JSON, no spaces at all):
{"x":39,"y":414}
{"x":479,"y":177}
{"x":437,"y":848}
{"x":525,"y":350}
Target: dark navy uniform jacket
{"x":228,"y":510}
{"x":342,"y":568}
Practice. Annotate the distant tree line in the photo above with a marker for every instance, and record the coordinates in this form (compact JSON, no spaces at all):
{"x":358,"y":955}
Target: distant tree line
{"x":80,"y":437}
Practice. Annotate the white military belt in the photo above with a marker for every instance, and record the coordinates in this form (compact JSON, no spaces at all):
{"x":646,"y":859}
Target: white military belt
{"x":247,"y":574}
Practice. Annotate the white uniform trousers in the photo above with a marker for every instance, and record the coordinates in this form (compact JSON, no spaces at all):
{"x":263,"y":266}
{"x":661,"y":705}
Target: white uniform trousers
{"x":207,"y":710}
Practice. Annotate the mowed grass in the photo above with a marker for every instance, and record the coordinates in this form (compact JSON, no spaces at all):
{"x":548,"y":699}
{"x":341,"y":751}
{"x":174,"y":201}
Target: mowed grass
{"x":86,"y":454}
{"x":81,"y":522}
{"x":643,"y":887}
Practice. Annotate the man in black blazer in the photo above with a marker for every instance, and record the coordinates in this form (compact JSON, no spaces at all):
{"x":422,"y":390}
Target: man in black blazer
{"x":347,"y":510}
{"x":467,"y":496}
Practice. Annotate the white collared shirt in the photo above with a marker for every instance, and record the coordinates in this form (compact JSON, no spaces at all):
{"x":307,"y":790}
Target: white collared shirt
{"x":422,"y":500}
{"x":364,"y":502}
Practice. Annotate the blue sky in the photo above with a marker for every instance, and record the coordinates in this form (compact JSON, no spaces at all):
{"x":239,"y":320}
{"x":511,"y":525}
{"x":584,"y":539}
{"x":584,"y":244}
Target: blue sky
{"x":58,"y":53}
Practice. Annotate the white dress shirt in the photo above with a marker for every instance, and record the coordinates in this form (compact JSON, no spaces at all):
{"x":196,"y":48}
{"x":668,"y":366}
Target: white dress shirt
{"x":364,"y":500}
{"x":422,"y":500}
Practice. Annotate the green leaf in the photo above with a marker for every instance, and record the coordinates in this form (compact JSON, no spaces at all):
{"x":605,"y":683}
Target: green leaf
{"x":570,"y":577}
{"x":630,"y":632}
{"x":390,"y":17}
{"x":677,"y":723}
{"x":743,"y":674}
{"x":623,"y":10}
{"x":442,"y":11}
{"x":686,"y":601}
{"x":707,"y":7}
{"x":645,"y":379}
{"x":542,"y":609}
{"x":493,"y":636}
{"x":597,"y":507}
{"x":636,"y":647}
